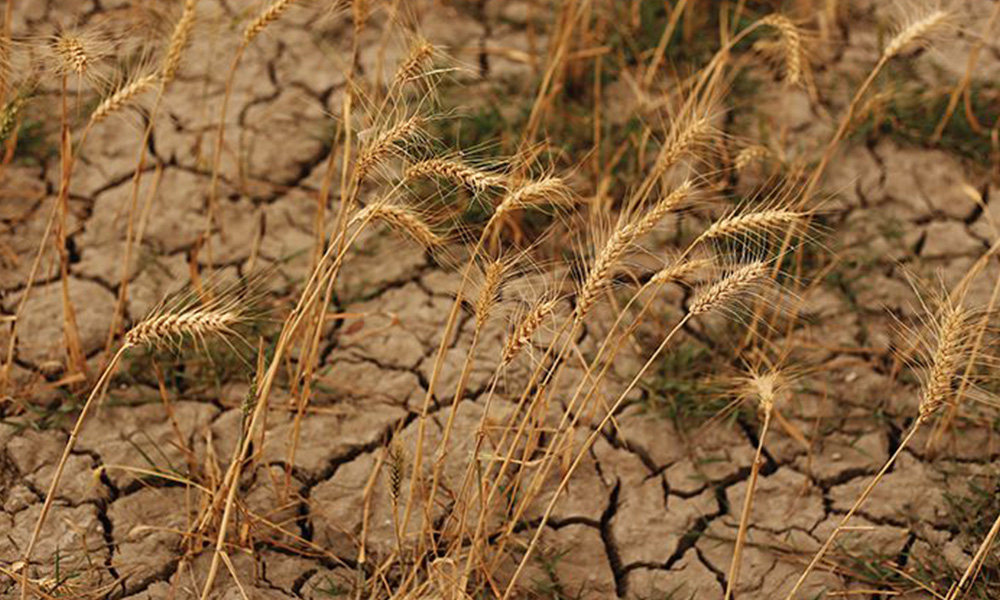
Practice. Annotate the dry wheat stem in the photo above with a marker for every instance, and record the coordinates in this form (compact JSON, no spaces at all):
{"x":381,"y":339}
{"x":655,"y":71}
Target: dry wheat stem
{"x":976,"y":562}
{"x":585,"y":449}
{"x":857,"y":505}
{"x":61,"y":465}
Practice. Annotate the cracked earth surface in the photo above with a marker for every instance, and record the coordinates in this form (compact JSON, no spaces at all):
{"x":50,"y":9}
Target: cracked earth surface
{"x":653,"y":510}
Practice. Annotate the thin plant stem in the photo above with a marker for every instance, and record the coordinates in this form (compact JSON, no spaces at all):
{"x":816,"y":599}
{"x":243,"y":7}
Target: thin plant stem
{"x":734,"y":568}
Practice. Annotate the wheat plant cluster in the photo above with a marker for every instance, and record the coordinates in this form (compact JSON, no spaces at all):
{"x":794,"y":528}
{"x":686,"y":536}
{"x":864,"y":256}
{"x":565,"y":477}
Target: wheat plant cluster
{"x":615,"y":271}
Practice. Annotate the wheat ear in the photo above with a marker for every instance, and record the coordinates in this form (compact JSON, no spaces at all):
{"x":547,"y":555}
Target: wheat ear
{"x":413,"y":67}
{"x":8,"y":117}
{"x":749,"y":155}
{"x":489,"y":293}
{"x":681,"y":142}
{"x":759,"y":222}
{"x":72,"y":53}
{"x":402,"y":219}
{"x":548,"y":190}
{"x":122,"y":97}
{"x":526,"y":328}
{"x":791,"y":39}
{"x":386,"y":143}
{"x":452,"y":170}
{"x":178,"y":41}
{"x":679,"y":271}
{"x":729,"y":288}
{"x":917,"y":30}
{"x":265,"y":18}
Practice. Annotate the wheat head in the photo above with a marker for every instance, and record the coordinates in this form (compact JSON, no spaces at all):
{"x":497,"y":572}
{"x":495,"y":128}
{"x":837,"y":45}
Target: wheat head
{"x":729,"y":288}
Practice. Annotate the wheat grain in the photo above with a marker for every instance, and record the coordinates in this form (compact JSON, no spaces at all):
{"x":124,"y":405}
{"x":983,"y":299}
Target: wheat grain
{"x":122,"y":97}
{"x":178,"y":41}
{"x":265,"y":18}
{"x":917,"y":30}
{"x":730,"y":288}
{"x":456,"y":171}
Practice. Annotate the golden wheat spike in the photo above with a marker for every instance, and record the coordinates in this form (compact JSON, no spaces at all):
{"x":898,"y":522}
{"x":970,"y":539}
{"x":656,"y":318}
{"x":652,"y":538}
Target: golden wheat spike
{"x":122,"y":97}
{"x":729,"y":288}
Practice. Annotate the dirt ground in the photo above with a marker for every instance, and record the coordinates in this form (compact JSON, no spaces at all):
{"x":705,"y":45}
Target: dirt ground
{"x":653,"y":512}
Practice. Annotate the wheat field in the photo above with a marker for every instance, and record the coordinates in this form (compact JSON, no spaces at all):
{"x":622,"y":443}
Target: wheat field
{"x":471,"y":299}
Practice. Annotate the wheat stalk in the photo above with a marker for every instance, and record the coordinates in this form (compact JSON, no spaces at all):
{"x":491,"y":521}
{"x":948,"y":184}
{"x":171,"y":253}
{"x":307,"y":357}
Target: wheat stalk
{"x":122,"y":97}
{"x":178,"y":41}
{"x":729,"y":288}
{"x":265,"y":18}
{"x":526,"y":328}
{"x":791,"y":40}
{"x":456,"y":171}
{"x":917,"y":30}
{"x":402,"y":219}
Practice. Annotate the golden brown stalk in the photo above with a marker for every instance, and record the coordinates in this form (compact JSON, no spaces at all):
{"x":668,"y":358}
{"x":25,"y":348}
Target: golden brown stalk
{"x":791,"y":40}
{"x":725,"y":291}
{"x":526,"y":329}
{"x":452,"y":170}
{"x":386,"y":143}
{"x":265,"y":18}
{"x":548,"y":190}
{"x":917,"y":30}
{"x":178,"y":41}
{"x":401,"y":219}
{"x":759,"y":222}
{"x":122,"y":97}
